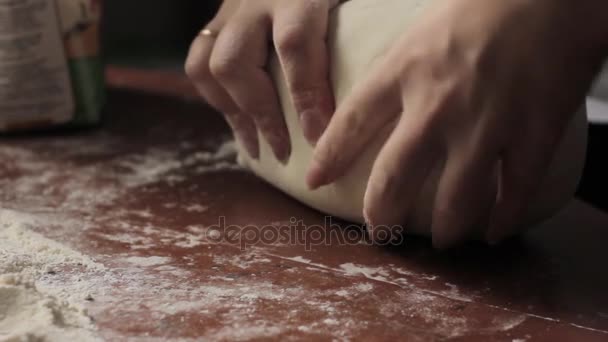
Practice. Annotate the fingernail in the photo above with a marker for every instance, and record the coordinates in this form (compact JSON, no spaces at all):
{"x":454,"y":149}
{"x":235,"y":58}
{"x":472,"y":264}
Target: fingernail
{"x":280,"y":145}
{"x":246,"y":135}
{"x":282,"y":155}
{"x":283,"y":152}
{"x":367,"y":218}
{"x":253,"y":150}
{"x":315,"y":178}
{"x":369,"y":228}
{"x":253,"y":147}
{"x":250,"y":144}
{"x":313,"y":125}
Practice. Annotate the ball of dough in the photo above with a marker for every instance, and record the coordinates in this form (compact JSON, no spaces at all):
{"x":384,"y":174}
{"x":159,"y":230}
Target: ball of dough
{"x":360,"y":31}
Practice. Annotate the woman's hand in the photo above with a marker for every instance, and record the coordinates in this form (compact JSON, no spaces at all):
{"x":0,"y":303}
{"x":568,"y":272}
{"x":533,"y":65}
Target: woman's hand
{"x":230,"y":70}
{"x":482,"y":89}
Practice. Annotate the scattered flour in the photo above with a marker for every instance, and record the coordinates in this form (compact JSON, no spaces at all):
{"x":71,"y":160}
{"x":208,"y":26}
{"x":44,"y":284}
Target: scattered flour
{"x":342,"y":293}
{"x":508,"y":324}
{"x":26,"y":314}
{"x":30,"y":310}
{"x":379,"y":274}
{"x":148,"y":261}
{"x":364,"y":287}
{"x":245,"y":331}
{"x":331,"y":321}
{"x":55,"y":184}
{"x":197,"y":208}
{"x":36,"y":305}
{"x":300,"y":260}
{"x":45,"y":285}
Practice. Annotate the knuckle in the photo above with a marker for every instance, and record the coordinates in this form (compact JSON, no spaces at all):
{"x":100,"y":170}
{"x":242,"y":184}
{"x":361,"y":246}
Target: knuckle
{"x":329,"y":155}
{"x":224,"y":67}
{"x":330,"y":158}
{"x":439,"y":113}
{"x":353,"y":121}
{"x":196,"y":70}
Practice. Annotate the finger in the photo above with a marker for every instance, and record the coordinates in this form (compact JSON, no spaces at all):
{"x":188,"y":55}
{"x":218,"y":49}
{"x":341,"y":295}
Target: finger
{"x":374,"y":104}
{"x":523,"y":167}
{"x":197,"y":68}
{"x":245,"y":132}
{"x":238,"y":63}
{"x":197,"y":62}
{"x":399,"y":172}
{"x":300,"y":30}
{"x":465,"y":192}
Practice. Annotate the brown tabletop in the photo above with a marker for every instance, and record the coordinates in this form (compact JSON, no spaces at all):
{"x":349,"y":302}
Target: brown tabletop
{"x":146,"y":194}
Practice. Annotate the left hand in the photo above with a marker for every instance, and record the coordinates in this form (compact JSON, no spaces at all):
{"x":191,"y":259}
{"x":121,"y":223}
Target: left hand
{"x":230,"y":70}
{"x":483,"y":89}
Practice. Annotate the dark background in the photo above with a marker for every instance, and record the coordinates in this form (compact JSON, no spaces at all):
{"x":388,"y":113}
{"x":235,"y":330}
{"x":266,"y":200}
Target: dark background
{"x":153,"y":33}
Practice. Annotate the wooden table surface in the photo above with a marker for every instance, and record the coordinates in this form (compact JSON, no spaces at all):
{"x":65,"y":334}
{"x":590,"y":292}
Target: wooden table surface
{"x":144,"y":194}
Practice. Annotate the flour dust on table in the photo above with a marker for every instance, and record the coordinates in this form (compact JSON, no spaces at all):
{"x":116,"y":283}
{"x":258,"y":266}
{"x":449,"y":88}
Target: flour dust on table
{"x":31,"y":309}
{"x":46,"y":286}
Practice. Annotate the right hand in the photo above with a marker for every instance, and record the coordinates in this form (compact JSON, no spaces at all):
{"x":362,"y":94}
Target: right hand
{"x":229,"y":71}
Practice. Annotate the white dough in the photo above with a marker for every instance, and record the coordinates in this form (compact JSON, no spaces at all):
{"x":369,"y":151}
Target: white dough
{"x":361,"y":30}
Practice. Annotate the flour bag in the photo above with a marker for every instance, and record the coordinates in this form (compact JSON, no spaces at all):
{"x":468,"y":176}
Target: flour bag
{"x":51,"y":72}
